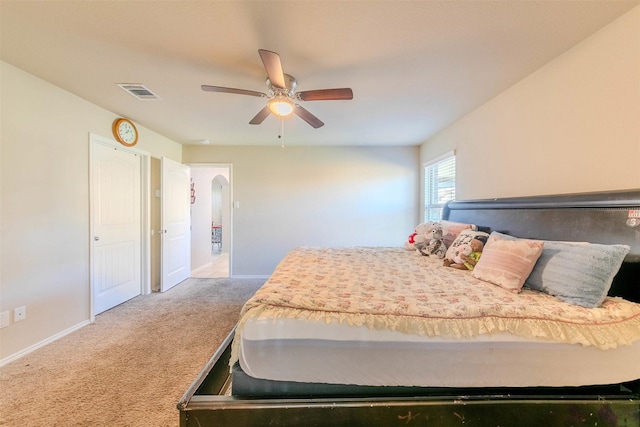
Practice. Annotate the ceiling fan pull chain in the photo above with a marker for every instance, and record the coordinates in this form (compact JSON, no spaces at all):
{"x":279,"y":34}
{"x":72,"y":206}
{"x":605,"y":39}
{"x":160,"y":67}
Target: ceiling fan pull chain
{"x":281,"y":136}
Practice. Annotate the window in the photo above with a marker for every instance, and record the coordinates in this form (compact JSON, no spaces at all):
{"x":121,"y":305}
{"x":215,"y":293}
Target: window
{"x":439,"y":185}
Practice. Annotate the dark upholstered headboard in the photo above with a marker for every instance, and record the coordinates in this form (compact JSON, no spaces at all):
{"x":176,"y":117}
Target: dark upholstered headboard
{"x":606,"y":218}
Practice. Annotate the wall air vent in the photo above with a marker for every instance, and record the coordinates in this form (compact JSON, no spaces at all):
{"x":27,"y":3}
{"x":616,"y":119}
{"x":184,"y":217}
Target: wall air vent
{"x":140,"y":91}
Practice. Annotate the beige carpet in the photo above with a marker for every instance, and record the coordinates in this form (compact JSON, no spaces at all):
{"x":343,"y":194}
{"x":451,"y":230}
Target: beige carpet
{"x":131,"y":366}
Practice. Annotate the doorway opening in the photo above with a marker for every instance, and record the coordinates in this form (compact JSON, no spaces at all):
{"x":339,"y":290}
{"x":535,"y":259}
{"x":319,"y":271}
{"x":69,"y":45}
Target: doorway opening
{"x":211,"y":221}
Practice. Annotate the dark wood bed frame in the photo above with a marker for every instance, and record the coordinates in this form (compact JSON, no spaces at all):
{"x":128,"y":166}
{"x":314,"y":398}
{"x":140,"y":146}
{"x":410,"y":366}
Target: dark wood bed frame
{"x":606,"y":218}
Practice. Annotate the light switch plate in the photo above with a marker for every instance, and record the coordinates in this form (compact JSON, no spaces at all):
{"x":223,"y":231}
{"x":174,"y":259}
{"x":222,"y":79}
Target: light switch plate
{"x":19,"y":313}
{"x":4,"y":319}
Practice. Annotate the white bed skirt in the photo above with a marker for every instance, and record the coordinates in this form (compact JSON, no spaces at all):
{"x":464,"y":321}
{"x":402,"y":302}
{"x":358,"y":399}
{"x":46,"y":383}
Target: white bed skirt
{"x":308,"y":351}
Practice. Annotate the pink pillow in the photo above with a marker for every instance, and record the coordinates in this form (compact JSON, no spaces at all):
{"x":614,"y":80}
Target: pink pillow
{"x":451,"y":230}
{"x":507,"y":263}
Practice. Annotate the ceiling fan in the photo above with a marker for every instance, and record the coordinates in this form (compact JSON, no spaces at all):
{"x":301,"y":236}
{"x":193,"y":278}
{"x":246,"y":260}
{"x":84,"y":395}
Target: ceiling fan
{"x":282,"y":93}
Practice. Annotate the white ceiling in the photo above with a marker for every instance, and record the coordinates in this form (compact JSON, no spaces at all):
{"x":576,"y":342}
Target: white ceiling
{"x":414,"y":66}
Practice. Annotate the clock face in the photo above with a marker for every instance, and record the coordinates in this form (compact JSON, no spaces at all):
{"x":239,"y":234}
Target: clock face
{"x":126,"y":132}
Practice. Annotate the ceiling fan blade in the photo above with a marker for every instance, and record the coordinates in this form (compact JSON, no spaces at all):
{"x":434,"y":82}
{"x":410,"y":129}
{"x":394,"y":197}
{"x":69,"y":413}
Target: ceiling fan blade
{"x":220,"y":89}
{"x":259,"y":118}
{"x":326,"y":94}
{"x":271,"y":61}
{"x":308,"y":117}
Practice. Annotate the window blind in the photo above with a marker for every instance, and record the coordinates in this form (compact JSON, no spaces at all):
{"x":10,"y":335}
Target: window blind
{"x":439,"y":185}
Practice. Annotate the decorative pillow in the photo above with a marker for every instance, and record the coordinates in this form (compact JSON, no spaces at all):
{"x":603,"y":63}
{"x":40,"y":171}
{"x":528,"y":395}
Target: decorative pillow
{"x":451,"y":230}
{"x":577,"y":273}
{"x":464,"y":238}
{"x":507,"y":262}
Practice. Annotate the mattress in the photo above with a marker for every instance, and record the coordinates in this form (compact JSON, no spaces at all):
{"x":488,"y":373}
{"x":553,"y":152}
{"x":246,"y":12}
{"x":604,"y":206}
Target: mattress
{"x":384,"y":317}
{"x":337,"y":353}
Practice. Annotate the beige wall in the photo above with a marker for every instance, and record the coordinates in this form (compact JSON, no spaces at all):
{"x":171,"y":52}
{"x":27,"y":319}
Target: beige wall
{"x":44,"y":215}
{"x":572,"y":126}
{"x":315,"y":196}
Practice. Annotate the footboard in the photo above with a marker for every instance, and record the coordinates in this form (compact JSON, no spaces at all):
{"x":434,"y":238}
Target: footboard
{"x":208,"y":403}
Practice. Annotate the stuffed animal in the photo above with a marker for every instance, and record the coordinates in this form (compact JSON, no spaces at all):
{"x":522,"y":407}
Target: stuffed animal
{"x":419,"y":239}
{"x":467,"y":255}
{"x":436,"y":244}
{"x":464,"y":249}
{"x":408,"y":245}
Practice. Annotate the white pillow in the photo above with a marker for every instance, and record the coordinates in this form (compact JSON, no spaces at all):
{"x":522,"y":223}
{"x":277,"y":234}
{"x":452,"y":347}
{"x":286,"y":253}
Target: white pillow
{"x":465,"y":237}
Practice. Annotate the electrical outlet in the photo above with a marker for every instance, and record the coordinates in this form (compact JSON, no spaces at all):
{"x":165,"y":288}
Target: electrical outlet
{"x":4,"y":319}
{"x":19,"y":313}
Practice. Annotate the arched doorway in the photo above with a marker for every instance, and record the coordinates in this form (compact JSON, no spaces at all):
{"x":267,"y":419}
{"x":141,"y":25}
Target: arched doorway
{"x":211,"y":221}
{"x":220,"y":206}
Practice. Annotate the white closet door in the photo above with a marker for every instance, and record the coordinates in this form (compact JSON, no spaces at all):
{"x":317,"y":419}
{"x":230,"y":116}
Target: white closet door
{"x":116,"y":226}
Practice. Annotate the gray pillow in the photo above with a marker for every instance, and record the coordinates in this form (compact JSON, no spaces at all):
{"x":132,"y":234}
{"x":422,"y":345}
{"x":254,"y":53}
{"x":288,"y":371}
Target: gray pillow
{"x":579,"y":273}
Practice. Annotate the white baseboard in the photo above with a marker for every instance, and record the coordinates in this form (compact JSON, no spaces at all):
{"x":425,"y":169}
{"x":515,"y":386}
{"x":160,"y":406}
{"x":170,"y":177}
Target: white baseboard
{"x":42,"y":343}
{"x":248,"y":276}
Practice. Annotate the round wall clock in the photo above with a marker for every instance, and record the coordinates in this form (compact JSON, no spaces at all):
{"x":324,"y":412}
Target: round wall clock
{"x":125,"y":132}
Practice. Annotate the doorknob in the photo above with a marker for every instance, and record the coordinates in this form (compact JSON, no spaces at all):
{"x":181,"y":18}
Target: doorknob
{"x":96,"y":238}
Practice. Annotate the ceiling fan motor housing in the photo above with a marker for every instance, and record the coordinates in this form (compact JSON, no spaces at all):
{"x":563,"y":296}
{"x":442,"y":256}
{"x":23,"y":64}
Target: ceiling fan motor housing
{"x":290,"y":83}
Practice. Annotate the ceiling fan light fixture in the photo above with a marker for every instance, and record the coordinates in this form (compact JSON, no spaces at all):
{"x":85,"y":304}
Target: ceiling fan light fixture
{"x":281,"y":107}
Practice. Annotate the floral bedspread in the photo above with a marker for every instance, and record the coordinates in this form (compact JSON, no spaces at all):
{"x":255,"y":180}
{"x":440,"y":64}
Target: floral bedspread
{"x":391,"y":288}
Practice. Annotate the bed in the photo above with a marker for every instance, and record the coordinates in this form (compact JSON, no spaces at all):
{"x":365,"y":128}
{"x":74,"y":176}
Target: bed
{"x":352,"y":335}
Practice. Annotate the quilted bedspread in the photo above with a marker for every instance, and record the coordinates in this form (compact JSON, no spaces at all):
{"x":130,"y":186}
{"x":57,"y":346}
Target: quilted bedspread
{"x":401,"y":290}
